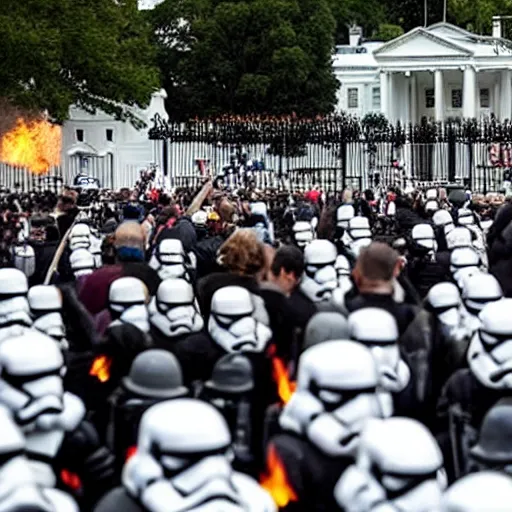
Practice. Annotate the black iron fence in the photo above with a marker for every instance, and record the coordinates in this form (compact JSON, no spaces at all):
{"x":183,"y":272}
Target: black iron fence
{"x":337,"y":151}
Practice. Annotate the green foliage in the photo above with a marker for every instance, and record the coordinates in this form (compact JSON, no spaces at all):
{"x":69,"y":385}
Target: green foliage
{"x":246,"y":56}
{"x":387,"y":32}
{"x":93,"y":53}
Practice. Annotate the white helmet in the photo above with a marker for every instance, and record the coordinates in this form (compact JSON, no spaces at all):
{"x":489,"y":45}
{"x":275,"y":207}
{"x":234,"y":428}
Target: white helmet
{"x":479,"y":289}
{"x":442,"y":218}
{"x":170,"y":260}
{"x":303,"y":233}
{"x":127,"y":299}
{"x":423,"y":235}
{"x":344,"y":214}
{"x":80,"y":237}
{"x":14,"y":307}
{"x":458,"y":237}
{"x":24,"y":258}
{"x":82,"y":262}
{"x":320,"y":277}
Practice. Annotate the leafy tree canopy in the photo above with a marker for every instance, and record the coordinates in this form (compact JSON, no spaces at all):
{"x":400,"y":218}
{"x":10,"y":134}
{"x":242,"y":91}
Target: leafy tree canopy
{"x":93,"y":53}
{"x":246,"y":56}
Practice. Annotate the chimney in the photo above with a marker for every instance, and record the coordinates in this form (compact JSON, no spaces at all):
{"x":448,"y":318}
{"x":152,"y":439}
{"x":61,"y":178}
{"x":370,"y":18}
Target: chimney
{"x":496,"y":26}
{"x":355,"y":34}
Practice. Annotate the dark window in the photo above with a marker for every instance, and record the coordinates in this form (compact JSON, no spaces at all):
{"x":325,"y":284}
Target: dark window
{"x":429,"y":98}
{"x":80,"y":135}
{"x":353,"y":97}
{"x":484,"y":98}
{"x":110,"y":135}
{"x":456,"y":98}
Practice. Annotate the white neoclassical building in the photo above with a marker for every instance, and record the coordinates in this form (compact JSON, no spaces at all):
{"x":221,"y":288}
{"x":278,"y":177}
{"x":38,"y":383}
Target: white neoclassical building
{"x":440,"y":71}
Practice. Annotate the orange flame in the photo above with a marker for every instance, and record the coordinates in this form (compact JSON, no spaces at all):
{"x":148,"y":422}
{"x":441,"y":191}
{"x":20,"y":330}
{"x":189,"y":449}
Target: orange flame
{"x":101,"y":368}
{"x":34,"y":145}
{"x":285,"y":387}
{"x":275,"y":482}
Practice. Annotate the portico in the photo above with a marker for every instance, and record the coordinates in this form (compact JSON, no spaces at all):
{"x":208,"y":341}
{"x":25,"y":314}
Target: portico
{"x":443,"y":71}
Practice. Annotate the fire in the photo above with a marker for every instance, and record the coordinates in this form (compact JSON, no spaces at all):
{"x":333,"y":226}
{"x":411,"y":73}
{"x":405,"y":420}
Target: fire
{"x":130,"y":452}
{"x":276,"y":481}
{"x":34,"y":145}
{"x":285,"y":387}
{"x":101,"y":368}
{"x":70,"y":479}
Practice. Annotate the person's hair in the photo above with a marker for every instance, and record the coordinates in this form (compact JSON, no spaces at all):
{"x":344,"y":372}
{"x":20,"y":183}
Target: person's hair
{"x":377,"y":262}
{"x":130,"y":234}
{"x":242,"y":253}
{"x":290,"y":258}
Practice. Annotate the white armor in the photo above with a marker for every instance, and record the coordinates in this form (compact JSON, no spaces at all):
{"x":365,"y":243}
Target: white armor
{"x":344,"y":214}
{"x":320,"y":278}
{"x":176,"y":309}
{"x":444,"y":299}
{"x":490,"y":350}
{"x":170,"y":260}
{"x":24,"y":258}
{"x":184,"y":465}
{"x":18,"y":488}
{"x":431,"y":193}
{"x":458,"y":237}
{"x":465,"y":217}
{"x":232,"y":324}
{"x":399,"y":468}
{"x":486,"y":491}
{"x":127,"y":299}
{"x":378,"y":330}
{"x":14,"y":307}
{"x":464,"y":262}
{"x":303,"y":233}
{"x":95,"y":250}
{"x":46,"y":309}
{"x":357,"y":235}
{"x":336,"y":393}
{"x":80,"y":237}
{"x":82,"y":262}
{"x":442,"y":218}
{"x":423,"y":235}
{"x":343,"y":271}
{"x":31,"y":387}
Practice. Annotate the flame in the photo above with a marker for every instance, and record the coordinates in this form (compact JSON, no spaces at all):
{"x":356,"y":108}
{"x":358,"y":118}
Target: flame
{"x":70,"y":479}
{"x":130,"y":452}
{"x":276,"y":481}
{"x":285,"y":387}
{"x":101,"y":368}
{"x":34,"y":145}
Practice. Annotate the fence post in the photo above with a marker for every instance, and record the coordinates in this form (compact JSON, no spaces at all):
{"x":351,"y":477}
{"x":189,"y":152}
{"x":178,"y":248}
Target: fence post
{"x":343,"y":156}
{"x":470,"y":170}
{"x":452,"y":155}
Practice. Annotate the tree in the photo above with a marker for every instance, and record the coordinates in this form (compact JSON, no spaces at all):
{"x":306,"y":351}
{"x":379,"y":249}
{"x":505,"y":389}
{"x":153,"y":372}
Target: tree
{"x":93,"y":53}
{"x":246,"y":56}
{"x":387,"y":32}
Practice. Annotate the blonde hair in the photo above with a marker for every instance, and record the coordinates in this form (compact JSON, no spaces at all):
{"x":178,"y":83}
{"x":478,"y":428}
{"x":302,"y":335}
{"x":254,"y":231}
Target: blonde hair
{"x":242,"y":253}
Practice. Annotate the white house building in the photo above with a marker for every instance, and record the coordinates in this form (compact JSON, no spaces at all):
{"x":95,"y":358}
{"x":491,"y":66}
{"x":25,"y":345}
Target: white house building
{"x":440,"y":71}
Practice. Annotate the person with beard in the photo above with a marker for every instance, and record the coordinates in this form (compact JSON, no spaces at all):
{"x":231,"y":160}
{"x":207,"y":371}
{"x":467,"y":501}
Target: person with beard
{"x":44,"y":238}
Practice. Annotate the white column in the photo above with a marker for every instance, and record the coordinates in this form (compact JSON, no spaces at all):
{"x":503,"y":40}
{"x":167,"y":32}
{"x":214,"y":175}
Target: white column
{"x":406,"y":117}
{"x":414,"y":98}
{"x":505,"y":94}
{"x":468,"y":93}
{"x":496,"y":99}
{"x":384,"y":93}
{"x":392,"y":98}
{"x":439,"y":95}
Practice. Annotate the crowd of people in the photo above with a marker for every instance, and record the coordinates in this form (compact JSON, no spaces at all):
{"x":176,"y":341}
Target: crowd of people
{"x":214,"y":350}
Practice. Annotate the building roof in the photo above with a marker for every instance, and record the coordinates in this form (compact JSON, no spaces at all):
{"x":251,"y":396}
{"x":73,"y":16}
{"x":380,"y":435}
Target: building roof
{"x":356,"y":57}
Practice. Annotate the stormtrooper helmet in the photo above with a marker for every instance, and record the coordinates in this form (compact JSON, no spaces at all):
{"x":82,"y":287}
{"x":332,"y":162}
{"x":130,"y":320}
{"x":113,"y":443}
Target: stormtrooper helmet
{"x":490,"y":350}
{"x":24,"y":259}
{"x":176,"y":309}
{"x":378,"y":330}
{"x":20,"y":491}
{"x":46,"y":309}
{"x":303,"y":233}
{"x":357,"y":235}
{"x":431,"y":193}
{"x":423,"y":235}
{"x":232,"y":325}
{"x":343,"y":271}
{"x":493,"y":449}
{"x":170,"y":260}
{"x":80,"y":236}
{"x":458,"y":237}
{"x":344,"y":214}
{"x":399,"y":464}
{"x":443,"y":219}
{"x":185,"y":464}
{"x":325,"y":326}
{"x":127,"y":299}
{"x":431,"y":206}
{"x":14,"y":307}
{"x":82,"y":262}
{"x":479,"y":289}
{"x":200,"y":219}
{"x":320,"y":278}
{"x":487,"y":490}
{"x":464,"y":262}
{"x":336,"y":394}
{"x":465,"y":217}
{"x":444,"y":299}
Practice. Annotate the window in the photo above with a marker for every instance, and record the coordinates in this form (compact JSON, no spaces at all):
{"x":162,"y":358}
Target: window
{"x":456,"y":98}
{"x":484,"y":98}
{"x":80,"y":135}
{"x":110,"y":135}
{"x":352,"y":97}
{"x":429,"y":98}
{"x":376,"y":98}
